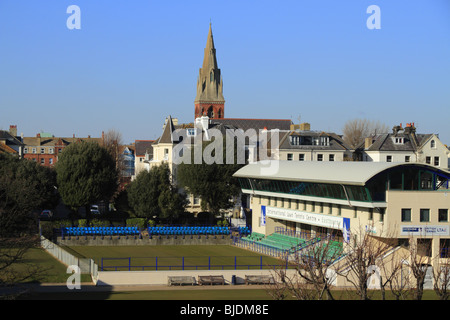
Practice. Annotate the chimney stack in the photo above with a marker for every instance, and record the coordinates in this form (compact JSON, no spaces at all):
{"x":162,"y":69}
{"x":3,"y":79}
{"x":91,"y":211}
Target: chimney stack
{"x":305,"y":126}
{"x":368,"y":142}
{"x":13,"y":130}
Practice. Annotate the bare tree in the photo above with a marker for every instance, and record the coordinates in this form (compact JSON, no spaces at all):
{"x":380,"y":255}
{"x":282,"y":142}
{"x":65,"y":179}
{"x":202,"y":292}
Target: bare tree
{"x":391,"y":266}
{"x":287,"y":286}
{"x":11,"y":255}
{"x":112,"y":141}
{"x":314,"y":275}
{"x":363,"y":252}
{"x":441,"y":277}
{"x":419,"y":261}
{"x":400,"y":285}
{"x":15,"y":268}
{"x":356,"y":130}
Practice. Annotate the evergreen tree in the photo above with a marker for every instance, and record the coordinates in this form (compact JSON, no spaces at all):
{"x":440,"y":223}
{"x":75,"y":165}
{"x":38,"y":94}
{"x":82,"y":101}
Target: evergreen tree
{"x":25,"y":186}
{"x":152,"y":195}
{"x":213,"y":183}
{"x":86,"y":174}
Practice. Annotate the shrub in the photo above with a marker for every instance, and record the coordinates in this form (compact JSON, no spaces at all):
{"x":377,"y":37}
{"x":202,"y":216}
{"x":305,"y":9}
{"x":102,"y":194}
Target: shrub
{"x":139,"y":222}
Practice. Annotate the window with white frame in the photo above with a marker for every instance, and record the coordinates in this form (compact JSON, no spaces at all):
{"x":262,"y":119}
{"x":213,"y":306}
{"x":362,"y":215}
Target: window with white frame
{"x":398,"y":140}
{"x":436,"y":161}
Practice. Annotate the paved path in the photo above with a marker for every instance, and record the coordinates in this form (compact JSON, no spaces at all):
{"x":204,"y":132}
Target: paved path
{"x":90,"y":287}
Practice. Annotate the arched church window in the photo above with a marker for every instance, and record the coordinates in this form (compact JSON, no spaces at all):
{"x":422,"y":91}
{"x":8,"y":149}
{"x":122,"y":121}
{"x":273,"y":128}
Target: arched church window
{"x":210,"y":112}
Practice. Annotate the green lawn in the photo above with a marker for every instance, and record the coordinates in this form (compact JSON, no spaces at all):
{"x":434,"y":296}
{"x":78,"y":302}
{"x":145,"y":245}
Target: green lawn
{"x":45,"y":268}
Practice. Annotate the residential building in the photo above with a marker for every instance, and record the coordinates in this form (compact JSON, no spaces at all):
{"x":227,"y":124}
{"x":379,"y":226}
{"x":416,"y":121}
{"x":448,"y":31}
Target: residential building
{"x":303,"y":144}
{"x":143,"y":154}
{"x":10,"y":143}
{"x":404,"y":145}
{"x":126,"y":165}
{"x":45,"y":148}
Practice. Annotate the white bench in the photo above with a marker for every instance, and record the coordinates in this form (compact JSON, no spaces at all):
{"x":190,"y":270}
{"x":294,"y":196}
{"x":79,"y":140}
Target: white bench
{"x":202,"y":280}
{"x":259,"y":279}
{"x":180,"y":280}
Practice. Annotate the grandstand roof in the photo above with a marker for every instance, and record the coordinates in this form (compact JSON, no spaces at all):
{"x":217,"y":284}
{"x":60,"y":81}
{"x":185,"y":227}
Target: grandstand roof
{"x":338,"y":172}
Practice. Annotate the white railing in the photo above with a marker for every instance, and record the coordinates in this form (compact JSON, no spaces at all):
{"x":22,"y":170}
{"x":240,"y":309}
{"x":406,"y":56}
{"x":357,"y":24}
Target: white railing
{"x":87,"y":266}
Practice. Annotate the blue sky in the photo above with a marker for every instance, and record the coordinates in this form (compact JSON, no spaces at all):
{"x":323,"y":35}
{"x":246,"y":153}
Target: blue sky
{"x":134,"y":62}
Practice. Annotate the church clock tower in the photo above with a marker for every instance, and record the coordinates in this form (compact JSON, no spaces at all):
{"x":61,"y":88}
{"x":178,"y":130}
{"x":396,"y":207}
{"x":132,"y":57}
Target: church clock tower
{"x":209,"y":100}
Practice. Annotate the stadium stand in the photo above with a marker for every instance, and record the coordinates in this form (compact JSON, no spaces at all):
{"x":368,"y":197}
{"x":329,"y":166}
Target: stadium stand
{"x":194,"y":230}
{"x":275,"y":240}
{"x":99,"y":231}
{"x":152,"y":231}
{"x":279,"y":244}
{"x":331,"y":249}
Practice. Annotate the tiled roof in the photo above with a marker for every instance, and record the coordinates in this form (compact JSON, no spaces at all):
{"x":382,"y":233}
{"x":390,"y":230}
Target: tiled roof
{"x":166,"y":136}
{"x":336,"y":143}
{"x":256,"y":124}
{"x":143,"y":147}
{"x":4,"y":148}
{"x":385,"y":142}
{"x":8,"y":138}
{"x":54,"y":141}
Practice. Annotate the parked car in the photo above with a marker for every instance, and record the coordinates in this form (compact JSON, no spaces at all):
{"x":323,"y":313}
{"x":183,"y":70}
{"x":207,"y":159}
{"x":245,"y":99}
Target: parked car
{"x":95,"y":209}
{"x":46,"y":215}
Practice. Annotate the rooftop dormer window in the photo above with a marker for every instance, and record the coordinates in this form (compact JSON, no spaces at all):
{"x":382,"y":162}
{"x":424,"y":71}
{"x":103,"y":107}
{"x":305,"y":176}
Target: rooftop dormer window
{"x":398,"y":140}
{"x":295,"y":140}
{"x":191,"y":132}
{"x":433,"y":144}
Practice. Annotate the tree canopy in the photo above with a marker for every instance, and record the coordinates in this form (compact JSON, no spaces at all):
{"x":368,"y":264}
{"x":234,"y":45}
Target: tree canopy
{"x":86,"y":173}
{"x":213,"y":183}
{"x":25,"y":186}
{"x":152,"y":194}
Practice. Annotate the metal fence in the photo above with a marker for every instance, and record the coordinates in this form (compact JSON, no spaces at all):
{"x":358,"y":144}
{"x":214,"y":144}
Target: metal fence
{"x":189,"y":263}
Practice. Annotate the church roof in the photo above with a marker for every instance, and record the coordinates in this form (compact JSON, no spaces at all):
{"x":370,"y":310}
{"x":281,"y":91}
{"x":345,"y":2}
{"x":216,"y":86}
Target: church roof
{"x":256,"y":124}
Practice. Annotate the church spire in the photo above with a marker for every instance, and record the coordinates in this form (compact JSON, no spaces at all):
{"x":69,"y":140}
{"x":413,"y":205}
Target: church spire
{"x":209,"y":99}
{"x":209,"y":59}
